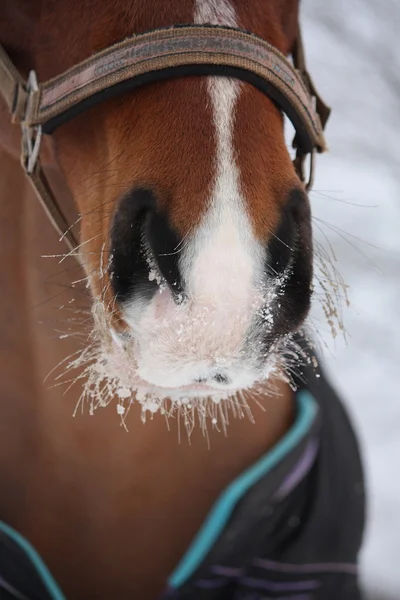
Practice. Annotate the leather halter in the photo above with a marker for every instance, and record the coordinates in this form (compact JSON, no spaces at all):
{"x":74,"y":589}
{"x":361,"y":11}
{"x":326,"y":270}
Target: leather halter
{"x":160,"y":54}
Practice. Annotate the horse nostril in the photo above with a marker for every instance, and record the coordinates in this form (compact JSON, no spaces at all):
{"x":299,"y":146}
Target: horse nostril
{"x":143,"y":243}
{"x":220,"y":378}
{"x":201,"y":380}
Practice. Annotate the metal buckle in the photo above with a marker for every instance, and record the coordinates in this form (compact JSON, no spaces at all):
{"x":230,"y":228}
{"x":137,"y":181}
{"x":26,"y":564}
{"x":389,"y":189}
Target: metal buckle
{"x":299,"y":166}
{"x":310,"y":181}
{"x":31,"y":135}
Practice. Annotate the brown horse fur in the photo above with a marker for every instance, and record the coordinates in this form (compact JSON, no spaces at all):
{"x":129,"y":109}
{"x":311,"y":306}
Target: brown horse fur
{"x":112,"y":512}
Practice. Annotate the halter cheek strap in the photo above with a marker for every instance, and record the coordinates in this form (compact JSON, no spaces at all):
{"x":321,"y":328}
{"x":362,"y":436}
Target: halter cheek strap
{"x":161,"y":54}
{"x":16,"y":93}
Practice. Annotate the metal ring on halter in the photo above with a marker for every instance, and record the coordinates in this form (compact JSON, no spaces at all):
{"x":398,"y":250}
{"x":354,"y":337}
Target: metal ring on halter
{"x":298,"y":163}
{"x":310,"y":181}
{"x":31,"y":135}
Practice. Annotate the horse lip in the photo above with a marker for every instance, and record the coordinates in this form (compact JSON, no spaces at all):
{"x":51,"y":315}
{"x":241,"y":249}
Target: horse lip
{"x":202,"y":387}
{"x":189,"y":391}
{"x":199,"y":386}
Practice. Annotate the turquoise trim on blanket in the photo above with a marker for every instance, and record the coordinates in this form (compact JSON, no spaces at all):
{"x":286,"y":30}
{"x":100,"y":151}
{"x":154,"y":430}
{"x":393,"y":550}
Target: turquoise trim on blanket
{"x":40,"y":567}
{"x":219,"y":515}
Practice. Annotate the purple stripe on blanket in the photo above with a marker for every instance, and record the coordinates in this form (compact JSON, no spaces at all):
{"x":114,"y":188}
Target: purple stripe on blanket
{"x":281,"y":586}
{"x":231,"y":572}
{"x":299,"y":471}
{"x":272,"y":565}
{"x":11,"y":590}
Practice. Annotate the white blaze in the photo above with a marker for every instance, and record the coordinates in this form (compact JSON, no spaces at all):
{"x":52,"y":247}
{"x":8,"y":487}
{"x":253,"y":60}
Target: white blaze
{"x":224,"y":260}
{"x":215,"y":12}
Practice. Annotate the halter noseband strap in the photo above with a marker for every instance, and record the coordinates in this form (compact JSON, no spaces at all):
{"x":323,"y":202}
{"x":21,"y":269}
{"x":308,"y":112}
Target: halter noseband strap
{"x":160,"y":54}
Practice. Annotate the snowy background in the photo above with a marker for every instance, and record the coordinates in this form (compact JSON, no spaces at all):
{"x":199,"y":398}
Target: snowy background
{"x":354,"y":57}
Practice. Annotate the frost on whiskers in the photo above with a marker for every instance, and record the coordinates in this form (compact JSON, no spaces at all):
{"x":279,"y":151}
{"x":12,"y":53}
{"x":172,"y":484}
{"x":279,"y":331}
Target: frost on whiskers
{"x":108,"y":372}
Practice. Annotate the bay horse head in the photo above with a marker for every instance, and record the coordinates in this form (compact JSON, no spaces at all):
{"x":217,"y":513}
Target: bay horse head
{"x":195,"y":226}
{"x":182,"y":203}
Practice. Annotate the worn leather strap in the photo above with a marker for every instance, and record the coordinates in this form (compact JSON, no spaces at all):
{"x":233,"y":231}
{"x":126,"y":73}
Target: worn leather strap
{"x":51,"y":207}
{"x":321,"y":108}
{"x":299,"y":61}
{"x":14,"y":91}
{"x":165,"y":49}
{"x":12,"y":85}
{"x":159,"y":54}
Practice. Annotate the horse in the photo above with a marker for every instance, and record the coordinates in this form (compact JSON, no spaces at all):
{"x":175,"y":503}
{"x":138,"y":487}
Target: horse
{"x":140,"y":380}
